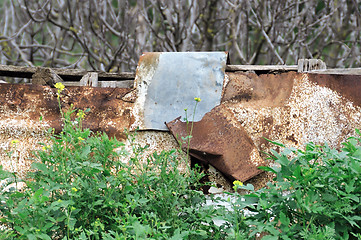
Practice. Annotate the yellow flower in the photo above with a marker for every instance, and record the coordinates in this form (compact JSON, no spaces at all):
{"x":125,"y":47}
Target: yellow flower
{"x":15,"y":141}
{"x":238,"y":183}
{"x":45,"y":147}
{"x":197,"y":99}
{"x":81,"y":139}
{"x":81,"y":114}
{"x":59,"y":86}
{"x":74,"y":189}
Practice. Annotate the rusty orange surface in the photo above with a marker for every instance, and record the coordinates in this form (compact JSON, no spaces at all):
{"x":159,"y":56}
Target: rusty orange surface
{"x":108,"y":111}
{"x":219,"y":139}
{"x":292,"y":108}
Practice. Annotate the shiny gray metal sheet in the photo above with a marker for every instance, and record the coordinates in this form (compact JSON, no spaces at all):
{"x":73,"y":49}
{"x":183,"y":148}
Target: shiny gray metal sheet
{"x":167,"y":83}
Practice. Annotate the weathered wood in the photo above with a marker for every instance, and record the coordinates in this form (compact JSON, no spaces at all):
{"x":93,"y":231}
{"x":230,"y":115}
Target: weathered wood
{"x":104,"y":84}
{"x":45,"y":76}
{"x":341,"y":71}
{"x":306,"y":65}
{"x":268,"y":68}
{"x":90,"y":79}
{"x":65,"y":74}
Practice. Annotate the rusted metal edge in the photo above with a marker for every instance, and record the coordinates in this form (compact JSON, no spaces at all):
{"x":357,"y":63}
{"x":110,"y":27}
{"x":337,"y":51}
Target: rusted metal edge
{"x":220,"y":140}
{"x":65,"y":74}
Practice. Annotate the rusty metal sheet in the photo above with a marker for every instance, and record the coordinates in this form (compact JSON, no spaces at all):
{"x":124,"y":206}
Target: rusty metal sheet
{"x":22,"y":105}
{"x":348,"y":86}
{"x":295,"y":108}
{"x":109,"y":112}
{"x":220,"y":140}
{"x":167,"y":83}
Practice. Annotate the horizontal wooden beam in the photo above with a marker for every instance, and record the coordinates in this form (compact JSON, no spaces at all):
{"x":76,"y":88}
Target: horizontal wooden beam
{"x":267,"y":68}
{"x":76,"y":75}
{"x":340,"y":71}
{"x":65,"y":74}
{"x":112,"y":84}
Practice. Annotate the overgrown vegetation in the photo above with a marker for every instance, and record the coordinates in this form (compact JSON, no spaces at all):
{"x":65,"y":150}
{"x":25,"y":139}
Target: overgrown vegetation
{"x":315,"y":195}
{"x":79,"y":188}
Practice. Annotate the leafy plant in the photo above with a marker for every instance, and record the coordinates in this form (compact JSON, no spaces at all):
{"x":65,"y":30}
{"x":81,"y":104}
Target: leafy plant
{"x":80,"y":189}
{"x":315,"y":194}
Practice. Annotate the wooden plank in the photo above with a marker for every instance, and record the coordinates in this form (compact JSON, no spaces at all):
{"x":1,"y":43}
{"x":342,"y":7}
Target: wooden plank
{"x":90,"y":79}
{"x":269,"y":68}
{"x":76,"y":74}
{"x":65,"y":74}
{"x":341,"y":71}
{"x":113,"y":84}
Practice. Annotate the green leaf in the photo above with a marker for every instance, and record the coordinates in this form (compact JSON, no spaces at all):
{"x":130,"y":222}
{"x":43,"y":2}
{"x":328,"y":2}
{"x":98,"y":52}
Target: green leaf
{"x":249,"y":187}
{"x":329,"y":197}
{"x":357,"y":153}
{"x":269,"y":237}
{"x":269,"y":169}
{"x":43,"y":236}
{"x":284,"y":219}
{"x":355,"y":167}
{"x":38,"y":193}
{"x":350,"y":186}
{"x":3,"y":173}
{"x":275,"y":143}
{"x":179,"y":235}
{"x":71,"y":223}
{"x":85,"y":152}
{"x":31,"y":236}
{"x":20,"y":229}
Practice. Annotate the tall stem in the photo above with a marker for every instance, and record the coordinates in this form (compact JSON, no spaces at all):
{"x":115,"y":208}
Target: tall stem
{"x":191,"y":131}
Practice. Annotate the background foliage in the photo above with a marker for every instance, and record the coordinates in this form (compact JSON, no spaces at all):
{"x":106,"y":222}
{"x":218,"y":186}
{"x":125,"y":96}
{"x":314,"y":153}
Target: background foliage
{"x":110,"y":35}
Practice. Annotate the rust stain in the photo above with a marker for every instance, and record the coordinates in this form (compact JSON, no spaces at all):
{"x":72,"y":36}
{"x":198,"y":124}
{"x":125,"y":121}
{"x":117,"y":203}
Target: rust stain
{"x":21,"y":107}
{"x":347,"y":86}
{"x":291,"y":108}
{"x":219,"y":139}
{"x":108,"y":112}
{"x":250,"y":89}
{"x":313,"y":108}
{"x":145,"y":70}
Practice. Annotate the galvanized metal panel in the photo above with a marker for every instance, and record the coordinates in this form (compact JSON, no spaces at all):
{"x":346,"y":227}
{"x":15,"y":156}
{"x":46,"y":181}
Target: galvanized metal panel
{"x":167,"y":83}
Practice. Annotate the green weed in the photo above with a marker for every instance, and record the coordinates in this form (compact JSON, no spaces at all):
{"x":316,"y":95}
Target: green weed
{"x":315,"y":194}
{"x":79,"y":188}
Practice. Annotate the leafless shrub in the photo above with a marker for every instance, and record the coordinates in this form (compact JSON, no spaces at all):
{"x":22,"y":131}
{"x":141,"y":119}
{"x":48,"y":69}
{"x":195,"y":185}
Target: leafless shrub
{"x":110,"y":35}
